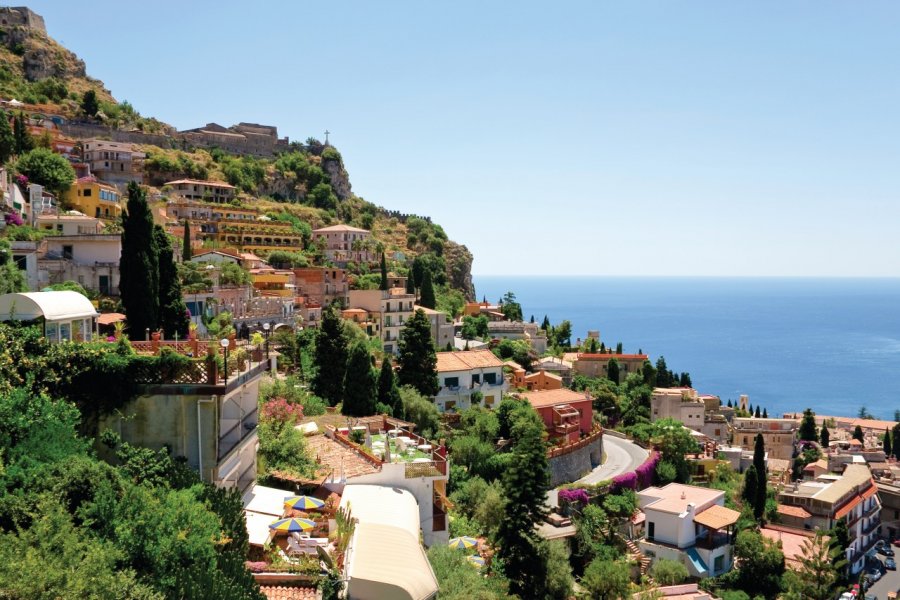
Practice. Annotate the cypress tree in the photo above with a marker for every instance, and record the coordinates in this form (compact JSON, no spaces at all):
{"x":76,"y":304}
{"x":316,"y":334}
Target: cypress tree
{"x":750,"y":409}
{"x":895,"y":440}
{"x":612,"y":370}
{"x":887,"y":442}
{"x":23,"y":140}
{"x":759,"y":461}
{"x":545,"y":324}
{"x":384,"y":274}
{"x":619,"y":348}
{"x":7,"y":139}
{"x":858,"y":434}
{"x":387,"y":387}
{"x":173,"y":312}
{"x":765,"y":414}
{"x":186,"y":252}
{"x":663,"y":375}
{"x":751,"y":482}
{"x":729,"y":403}
{"x":757,"y":414}
{"x":426,"y":294}
{"x":418,"y":359}
{"x":410,"y":284}
{"x":532,"y":319}
{"x":825,"y":437}
{"x":330,"y":358}
{"x":525,"y":482}
{"x":139,"y":265}
{"x":359,"y":383}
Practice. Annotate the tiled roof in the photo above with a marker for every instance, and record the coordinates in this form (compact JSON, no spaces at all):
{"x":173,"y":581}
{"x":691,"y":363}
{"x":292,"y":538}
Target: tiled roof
{"x":717,"y":517}
{"x":467,"y":359}
{"x":793,"y":511}
{"x":283,"y":592}
{"x":609,"y":355}
{"x":552,"y":397}
{"x":333,"y":455}
{"x":336,"y":228}
{"x":219,"y":184}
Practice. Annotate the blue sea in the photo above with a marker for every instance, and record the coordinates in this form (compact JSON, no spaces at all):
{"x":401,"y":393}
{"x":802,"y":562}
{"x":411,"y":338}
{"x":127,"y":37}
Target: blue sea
{"x":829,"y":344}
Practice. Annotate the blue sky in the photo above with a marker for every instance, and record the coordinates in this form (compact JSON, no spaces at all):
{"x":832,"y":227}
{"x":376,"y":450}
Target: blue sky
{"x":635,"y":138}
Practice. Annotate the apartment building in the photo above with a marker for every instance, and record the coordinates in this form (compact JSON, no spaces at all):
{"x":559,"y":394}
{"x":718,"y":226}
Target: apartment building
{"x":322,"y":285}
{"x":207,"y":191}
{"x":442,"y":330}
{"x":596,"y":364}
{"x":94,"y":198}
{"x":461,"y":374}
{"x":343,"y":243}
{"x":779,"y":435}
{"x":519,"y":330}
{"x":395,"y":307}
{"x":91,"y":259}
{"x":851,"y":496}
{"x":116,"y":163}
{"x":681,"y":404}
{"x":567,"y":415}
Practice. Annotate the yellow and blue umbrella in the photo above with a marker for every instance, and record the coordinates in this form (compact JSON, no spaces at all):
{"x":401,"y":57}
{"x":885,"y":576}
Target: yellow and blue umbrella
{"x":293,"y":524}
{"x":463,"y":543}
{"x":303,"y":503}
{"x":476,"y":560}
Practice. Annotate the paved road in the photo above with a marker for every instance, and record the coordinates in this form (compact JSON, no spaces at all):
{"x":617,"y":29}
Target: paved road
{"x":889,"y":583}
{"x":621,"y":456}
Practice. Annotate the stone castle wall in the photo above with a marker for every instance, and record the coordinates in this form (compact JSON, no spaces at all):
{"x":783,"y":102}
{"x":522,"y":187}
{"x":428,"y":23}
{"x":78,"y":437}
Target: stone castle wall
{"x":22,"y":16}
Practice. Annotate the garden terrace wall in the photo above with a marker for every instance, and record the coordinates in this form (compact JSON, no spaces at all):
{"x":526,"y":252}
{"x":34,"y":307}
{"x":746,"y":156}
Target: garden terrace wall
{"x":571,"y":462}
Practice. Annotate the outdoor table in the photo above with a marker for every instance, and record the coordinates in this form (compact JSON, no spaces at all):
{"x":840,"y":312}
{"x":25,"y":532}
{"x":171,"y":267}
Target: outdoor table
{"x":395,"y":432}
{"x":424,"y":447}
{"x":421,"y":460}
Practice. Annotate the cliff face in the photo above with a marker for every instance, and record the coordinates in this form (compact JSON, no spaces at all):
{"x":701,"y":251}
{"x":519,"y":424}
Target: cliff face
{"x":459,"y":268}
{"x":340,"y":180}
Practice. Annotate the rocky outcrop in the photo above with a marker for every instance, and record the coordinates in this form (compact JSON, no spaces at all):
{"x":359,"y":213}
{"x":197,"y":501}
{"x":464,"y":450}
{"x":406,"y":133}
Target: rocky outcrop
{"x":340,"y":180}
{"x":459,"y":268}
{"x":41,"y":57}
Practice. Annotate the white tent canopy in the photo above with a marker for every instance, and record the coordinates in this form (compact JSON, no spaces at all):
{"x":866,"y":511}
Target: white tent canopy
{"x":67,"y":315}
{"x":386,"y":563}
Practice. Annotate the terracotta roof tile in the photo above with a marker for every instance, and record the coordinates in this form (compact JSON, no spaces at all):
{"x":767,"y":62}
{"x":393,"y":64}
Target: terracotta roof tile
{"x":793,"y":511}
{"x":552,"y":397}
{"x":467,"y":359}
{"x":330,"y":454}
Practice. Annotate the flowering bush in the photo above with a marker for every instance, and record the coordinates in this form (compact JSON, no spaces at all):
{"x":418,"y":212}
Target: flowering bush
{"x":13,"y":219}
{"x":624,"y":481}
{"x":256,"y":566}
{"x":279,"y":409}
{"x":645,"y":471}
{"x":21,"y":180}
{"x":575,"y":496}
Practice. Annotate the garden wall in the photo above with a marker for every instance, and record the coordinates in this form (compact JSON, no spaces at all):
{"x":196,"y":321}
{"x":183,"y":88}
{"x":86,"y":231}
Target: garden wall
{"x":568,"y":467}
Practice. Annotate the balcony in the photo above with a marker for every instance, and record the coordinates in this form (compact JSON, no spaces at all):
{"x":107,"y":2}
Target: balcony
{"x":565,"y":428}
{"x":244,"y":427}
{"x":717,"y":540}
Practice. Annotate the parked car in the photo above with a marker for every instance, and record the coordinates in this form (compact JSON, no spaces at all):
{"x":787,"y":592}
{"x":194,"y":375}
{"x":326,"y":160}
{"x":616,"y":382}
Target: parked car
{"x":890,"y":564}
{"x":886,"y":550}
{"x":874,"y":575}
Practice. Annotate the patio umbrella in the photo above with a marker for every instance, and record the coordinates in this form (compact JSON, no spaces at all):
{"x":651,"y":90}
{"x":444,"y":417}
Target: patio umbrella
{"x":303,"y":503}
{"x":293,"y":524}
{"x":465,"y":542}
{"x":476,"y":560}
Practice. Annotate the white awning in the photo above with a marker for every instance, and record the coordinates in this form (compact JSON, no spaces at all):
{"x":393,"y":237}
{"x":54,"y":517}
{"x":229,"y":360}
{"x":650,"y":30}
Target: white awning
{"x":387,"y":563}
{"x":53,"y":306}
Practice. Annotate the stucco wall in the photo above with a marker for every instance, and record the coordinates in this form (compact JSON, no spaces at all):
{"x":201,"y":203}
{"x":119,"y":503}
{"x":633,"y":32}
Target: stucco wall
{"x":576,"y":464}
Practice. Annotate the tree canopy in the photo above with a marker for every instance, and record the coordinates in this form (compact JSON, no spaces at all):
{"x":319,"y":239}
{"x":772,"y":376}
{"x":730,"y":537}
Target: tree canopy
{"x":46,"y":168}
{"x":808,"y":426}
{"x":418,"y":359}
{"x":330,"y":358}
{"x":139,"y":265}
{"x":359,"y":382}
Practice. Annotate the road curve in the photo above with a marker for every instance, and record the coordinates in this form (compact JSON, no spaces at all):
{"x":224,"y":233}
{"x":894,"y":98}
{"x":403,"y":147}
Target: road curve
{"x":621,"y":456}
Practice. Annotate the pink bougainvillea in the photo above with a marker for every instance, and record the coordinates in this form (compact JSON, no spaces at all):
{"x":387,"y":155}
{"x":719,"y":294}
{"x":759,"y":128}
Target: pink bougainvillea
{"x":645,"y":471}
{"x":624,"y":481}
{"x":279,"y":409}
{"x":575,"y":496}
{"x":13,"y":219}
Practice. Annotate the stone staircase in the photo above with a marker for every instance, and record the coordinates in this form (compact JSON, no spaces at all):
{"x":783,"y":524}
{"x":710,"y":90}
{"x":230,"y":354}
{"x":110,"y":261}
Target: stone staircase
{"x":644,"y":561}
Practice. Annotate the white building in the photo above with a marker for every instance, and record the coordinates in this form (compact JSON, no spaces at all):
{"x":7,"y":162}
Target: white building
{"x":691,"y":525}
{"x":65,"y":316}
{"x":343,"y":243}
{"x":681,"y":404}
{"x":519,"y":330}
{"x":442,"y":329}
{"x":90,"y":259}
{"x":461,"y":374}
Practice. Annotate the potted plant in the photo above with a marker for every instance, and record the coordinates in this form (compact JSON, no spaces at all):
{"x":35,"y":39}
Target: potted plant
{"x":256,"y":340}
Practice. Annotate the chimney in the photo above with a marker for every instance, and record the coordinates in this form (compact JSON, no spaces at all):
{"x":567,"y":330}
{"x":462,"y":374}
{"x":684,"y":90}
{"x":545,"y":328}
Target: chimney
{"x":683,"y":496}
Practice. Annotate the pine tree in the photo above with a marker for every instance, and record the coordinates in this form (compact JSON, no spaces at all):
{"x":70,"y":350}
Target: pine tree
{"x":858,"y":434}
{"x":388,"y":393}
{"x":818,"y":571}
{"x":525,"y":483}
{"x":186,"y":252}
{"x":173,"y":312}
{"x":426,"y":294}
{"x":330,"y":358}
{"x":139,"y":265}
{"x":612,"y":370}
{"x":359,"y":382}
{"x":824,"y":436}
{"x":24,"y":141}
{"x":887,"y":442}
{"x":7,"y":139}
{"x":418,"y":359}
{"x":89,"y":103}
{"x":840,"y":542}
{"x":384,"y":274}
{"x":663,"y":377}
{"x":808,"y":426}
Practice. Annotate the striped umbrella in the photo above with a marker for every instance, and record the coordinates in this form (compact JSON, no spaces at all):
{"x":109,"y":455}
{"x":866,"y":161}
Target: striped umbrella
{"x":465,"y":542}
{"x":293,"y":524}
{"x":303,"y":503}
{"x":476,"y":560}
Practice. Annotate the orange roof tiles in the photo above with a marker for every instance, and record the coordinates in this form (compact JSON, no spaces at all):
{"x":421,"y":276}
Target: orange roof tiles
{"x":335,"y":456}
{"x":793,"y":511}
{"x":844,"y":510}
{"x":467,"y":359}
{"x":543,"y":398}
{"x":717,"y":517}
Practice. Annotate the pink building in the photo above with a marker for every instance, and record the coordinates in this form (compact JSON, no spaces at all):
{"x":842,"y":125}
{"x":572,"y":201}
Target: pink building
{"x":566,"y":414}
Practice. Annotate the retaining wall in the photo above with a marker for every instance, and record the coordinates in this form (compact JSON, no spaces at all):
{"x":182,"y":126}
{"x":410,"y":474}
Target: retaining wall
{"x":570,"y":466}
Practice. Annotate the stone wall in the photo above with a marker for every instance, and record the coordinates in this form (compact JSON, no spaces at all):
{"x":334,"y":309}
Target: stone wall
{"x":23,"y":17}
{"x":95,"y":130}
{"x":574,"y":465}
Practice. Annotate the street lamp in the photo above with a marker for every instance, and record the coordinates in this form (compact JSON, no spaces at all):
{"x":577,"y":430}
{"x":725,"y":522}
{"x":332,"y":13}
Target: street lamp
{"x":224,"y":343}
{"x":266,"y":328}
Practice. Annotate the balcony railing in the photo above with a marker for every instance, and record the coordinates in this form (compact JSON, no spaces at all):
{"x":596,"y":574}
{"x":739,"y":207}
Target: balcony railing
{"x":245,"y":426}
{"x":710,"y":543}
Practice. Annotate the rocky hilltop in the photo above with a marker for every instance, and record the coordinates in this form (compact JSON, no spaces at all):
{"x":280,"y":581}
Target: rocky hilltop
{"x":304,"y":181}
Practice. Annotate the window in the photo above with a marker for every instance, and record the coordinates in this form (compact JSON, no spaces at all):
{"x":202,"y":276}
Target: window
{"x":21,"y":261}
{"x":651,"y":530}
{"x":451,"y":381}
{"x":88,"y":193}
{"x":490,"y":378}
{"x":67,"y":252}
{"x":476,"y":378}
{"x":718,"y":563}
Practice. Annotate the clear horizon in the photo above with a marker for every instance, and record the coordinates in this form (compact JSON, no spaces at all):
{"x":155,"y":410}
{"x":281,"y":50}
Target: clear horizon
{"x":648,"y":139}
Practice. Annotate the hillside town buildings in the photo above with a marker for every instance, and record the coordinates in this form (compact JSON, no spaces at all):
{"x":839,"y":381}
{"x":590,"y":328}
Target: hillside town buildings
{"x":462,"y":374}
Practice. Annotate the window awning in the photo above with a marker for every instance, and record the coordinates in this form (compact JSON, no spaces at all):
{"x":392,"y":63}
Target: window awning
{"x":717,"y":517}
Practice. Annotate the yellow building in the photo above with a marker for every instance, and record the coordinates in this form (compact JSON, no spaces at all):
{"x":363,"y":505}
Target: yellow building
{"x":95,"y":199}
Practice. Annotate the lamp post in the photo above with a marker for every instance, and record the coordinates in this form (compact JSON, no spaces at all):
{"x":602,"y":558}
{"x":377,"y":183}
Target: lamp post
{"x":266,"y":328}
{"x":224,"y":343}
